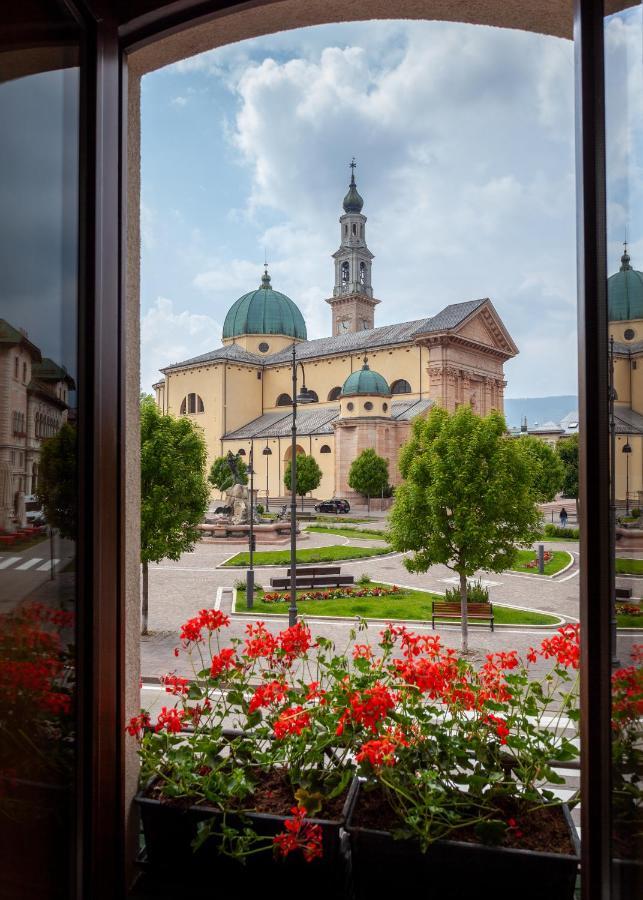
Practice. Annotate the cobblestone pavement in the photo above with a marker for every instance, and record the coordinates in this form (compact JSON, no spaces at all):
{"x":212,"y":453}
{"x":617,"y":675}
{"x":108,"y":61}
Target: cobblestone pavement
{"x":178,"y":590}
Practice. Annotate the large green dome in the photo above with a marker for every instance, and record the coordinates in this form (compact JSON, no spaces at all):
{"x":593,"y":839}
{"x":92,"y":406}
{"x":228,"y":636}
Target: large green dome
{"x":365,"y":381}
{"x":264,"y":311}
{"x":625,"y":292}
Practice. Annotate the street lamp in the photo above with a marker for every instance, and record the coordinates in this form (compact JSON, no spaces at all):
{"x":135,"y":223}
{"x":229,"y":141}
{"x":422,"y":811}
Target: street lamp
{"x":611,"y":397}
{"x":305,"y":396}
{"x":250,"y":574}
{"x":627,"y":450}
{"x":267,"y":452}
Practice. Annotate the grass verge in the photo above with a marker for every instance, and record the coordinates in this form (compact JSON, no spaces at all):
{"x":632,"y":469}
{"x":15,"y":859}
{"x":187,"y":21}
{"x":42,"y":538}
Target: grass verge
{"x":622,"y":621}
{"x":408,"y":604}
{"x":558,"y":561}
{"x":368,"y":533}
{"x":625,"y":566}
{"x":308,"y":555}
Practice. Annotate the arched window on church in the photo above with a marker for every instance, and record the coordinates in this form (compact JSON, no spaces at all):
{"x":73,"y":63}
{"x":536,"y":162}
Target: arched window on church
{"x":183,"y":406}
{"x":401,"y":386}
{"x":192,"y":404}
{"x":354,"y":228}
{"x":361,"y":231}
{"x":324,"y":448}
{"x":284,"y":400}
{"x":199,"y":404}
{"x":334,"y":393}
{"x":345,"y":230}
{"x":345,"y":272}
{"x":362,"y":273}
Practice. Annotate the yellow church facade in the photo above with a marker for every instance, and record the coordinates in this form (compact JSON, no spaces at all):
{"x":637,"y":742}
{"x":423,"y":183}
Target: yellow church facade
{"x":366,"y":383}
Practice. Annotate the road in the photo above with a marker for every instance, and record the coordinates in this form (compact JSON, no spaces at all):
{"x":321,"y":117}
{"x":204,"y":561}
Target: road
{"x":23,"y":572}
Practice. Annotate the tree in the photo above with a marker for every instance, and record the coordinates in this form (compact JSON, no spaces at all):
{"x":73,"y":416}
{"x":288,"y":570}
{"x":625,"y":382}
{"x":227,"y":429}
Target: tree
{"x":567,"y":449}
{"x":466,"y":500}
{"x":220,"y":475}
{"x":308,"y":475}
{"x":174,"y":490}
{"x":546,"y":468}
{"x":57,"y":481}
{"x":368,"y":475}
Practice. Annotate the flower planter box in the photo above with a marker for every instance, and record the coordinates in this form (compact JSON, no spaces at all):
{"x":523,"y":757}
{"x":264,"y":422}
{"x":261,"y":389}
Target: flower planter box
{"x":453,"y":870}
{"x":169,"y":830}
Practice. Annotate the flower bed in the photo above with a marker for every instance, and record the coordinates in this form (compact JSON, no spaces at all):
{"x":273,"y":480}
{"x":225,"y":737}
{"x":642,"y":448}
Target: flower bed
{"x":452,"y":749}
{"x":332,"y":594}
{"x":628,"y":609}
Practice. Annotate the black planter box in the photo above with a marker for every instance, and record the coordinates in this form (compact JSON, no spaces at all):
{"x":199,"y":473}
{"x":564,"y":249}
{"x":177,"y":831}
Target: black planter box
{"x":456,"y":870}
{"x":170,"y":829}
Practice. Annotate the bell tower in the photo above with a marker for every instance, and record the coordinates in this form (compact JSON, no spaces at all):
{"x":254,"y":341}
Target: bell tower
{"x":352,"y":302}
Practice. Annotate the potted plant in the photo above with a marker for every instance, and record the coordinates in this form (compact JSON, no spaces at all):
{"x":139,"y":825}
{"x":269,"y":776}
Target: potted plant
{"x":454,"y":790}
{"x":627,"y":775}
{"x":243,"y":775}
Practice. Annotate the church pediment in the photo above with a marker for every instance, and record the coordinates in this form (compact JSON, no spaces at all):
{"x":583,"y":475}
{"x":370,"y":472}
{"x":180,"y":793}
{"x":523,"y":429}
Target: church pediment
{"x":485,"y":327}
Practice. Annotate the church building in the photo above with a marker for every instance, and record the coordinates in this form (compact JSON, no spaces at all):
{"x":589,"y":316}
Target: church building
{"x":365,"y":383}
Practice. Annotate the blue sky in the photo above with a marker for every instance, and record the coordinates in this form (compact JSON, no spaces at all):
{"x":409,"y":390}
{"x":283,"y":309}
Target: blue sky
{"x":465,"y":148}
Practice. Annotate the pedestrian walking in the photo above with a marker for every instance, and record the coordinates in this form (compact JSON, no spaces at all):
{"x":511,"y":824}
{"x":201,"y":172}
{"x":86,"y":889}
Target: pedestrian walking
{"x":563,"y":517}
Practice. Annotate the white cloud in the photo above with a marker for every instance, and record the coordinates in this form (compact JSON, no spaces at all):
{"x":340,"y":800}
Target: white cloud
{"x":179,"y":101}
{"x":169,"y":336}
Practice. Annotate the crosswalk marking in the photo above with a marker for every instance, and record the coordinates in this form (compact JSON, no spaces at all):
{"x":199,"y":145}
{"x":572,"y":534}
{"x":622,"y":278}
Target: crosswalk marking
{"x":48,"y":565}
{"x":29,"y":564}
{"x":9,"y":561}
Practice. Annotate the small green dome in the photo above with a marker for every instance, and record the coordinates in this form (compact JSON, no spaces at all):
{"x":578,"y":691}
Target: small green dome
{"x":625,"y":292}
{"x":264,"y":311}
{"x":364,"y":381}
{"x":353,"y":203}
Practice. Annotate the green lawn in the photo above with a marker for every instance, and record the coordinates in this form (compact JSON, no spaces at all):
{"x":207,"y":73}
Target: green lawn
{"x":622,"y":621}
{"x":368,"y":533}
{"x":407,"y":604}
{"x":626,"y":566}
{"x":329,"y":518}
{"x":308,"y":555}
{"x":559,"y":560}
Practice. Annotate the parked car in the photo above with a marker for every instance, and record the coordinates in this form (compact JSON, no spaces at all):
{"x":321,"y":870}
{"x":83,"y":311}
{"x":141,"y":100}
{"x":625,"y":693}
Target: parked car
{"x":333,"y":506}
{"x":34,"y":511}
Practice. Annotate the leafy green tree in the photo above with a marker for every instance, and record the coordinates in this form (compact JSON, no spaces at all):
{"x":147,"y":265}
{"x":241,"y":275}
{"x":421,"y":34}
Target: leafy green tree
{"x":57,"y":480}
{"x":220,"y":475}
{"x":547,"y":470}
{"x":368,"y":475}
{"x":567,"y":449}
{"x":308,"y":476}
{"x":466,"y":500}
{"x":174,"y":489}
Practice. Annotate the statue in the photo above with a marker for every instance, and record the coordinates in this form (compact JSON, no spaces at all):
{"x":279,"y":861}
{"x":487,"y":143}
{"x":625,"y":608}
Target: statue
{"x":237,"y":495}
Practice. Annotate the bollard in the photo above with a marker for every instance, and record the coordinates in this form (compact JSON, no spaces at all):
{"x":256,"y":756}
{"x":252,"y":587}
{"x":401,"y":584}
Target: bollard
{"x":250,"y":588}
{"x":541,"y":559}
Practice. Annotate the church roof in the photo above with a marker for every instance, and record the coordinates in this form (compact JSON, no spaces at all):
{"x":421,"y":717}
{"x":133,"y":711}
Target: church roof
{"x":627,"y":421}
{"x":372,"y":338}
{"x":625,"y":292}
{"x":314,"y":420}
{"x":264,"y":311}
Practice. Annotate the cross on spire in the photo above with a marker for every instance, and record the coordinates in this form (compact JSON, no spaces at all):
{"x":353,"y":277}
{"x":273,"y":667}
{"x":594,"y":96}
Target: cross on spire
{"x":352,"y":166}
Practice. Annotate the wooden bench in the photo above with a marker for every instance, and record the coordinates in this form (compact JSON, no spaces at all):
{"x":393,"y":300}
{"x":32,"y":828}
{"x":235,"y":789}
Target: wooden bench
{"x":476,"y":612}
{"x":313,"y":577}
{"x":623,"y":593}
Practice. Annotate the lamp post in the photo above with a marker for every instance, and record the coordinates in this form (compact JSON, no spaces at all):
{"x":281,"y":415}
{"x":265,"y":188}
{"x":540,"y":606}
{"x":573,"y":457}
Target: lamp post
{"x":304,"y":397}
{"x":250,"y":574}
{"x":267,"y":452}
{"x":627,"y":449}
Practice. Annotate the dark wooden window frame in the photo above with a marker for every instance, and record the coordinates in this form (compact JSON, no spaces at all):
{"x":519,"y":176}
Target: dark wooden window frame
{"x":101,"y":858}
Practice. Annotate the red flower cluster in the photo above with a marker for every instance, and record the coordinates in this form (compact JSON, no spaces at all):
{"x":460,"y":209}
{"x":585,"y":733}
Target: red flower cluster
{"x":260,"y":643}
{"x":292,"y":720}
{"x":379,"y":752}
{"x":533,"y":564}
{"x":334,"y":594}
{"x":138,"y":724}
{"x":209,"y":619}
{"x":223,"y":662}
{"x":175,"y":684}
{"x":282,"y":649}
{"x":564,"y":646}
{"x":299,"y":835}
{"x":499,"y":726}
{"x":267,"y":694}
{"x":171,"y":719}
{"x":367,"y":708}
{"x":362,"y":651}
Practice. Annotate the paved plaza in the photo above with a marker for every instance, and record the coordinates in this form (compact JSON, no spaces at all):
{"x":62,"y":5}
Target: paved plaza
{"x":179,"y":589}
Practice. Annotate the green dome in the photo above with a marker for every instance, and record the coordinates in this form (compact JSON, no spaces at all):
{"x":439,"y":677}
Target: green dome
{"x":625,"y":292}
{"x":353,"y":203}
{"x":264,"y":311}
{"x":364,"y":381}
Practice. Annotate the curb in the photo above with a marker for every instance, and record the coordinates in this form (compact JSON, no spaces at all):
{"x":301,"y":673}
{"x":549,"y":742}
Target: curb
{"x":557,"y":574}
{"x":353,"y":559}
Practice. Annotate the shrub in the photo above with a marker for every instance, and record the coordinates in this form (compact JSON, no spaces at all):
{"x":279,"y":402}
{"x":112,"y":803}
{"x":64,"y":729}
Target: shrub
{"x":551,"y":530}
{"x":364,"y":578}
{"x":476,"y":593}
{"x":260,"y":509}
{"x":636,"y":512}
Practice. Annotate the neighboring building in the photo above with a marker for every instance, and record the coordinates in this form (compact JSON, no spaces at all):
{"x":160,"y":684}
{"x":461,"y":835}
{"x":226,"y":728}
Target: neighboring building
{"x":367,"y":383}
{"x":549,"y":432}
{"x":625,"y":299}
{"x":34,"y":394}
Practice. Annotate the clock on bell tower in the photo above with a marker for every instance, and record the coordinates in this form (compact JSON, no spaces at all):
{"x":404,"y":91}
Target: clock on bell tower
{"x":352,"y":302}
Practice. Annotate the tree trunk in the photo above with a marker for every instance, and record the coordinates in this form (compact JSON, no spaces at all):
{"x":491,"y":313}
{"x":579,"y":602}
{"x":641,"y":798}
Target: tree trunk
{"x":302,"y":502}
{"x":368,"y":504}
{"x":463,"y":612}
{"x":144,"y":605}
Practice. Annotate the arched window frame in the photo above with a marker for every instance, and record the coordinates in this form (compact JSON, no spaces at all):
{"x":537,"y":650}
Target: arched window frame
{"x":400,"y":386}
{"x":284,"y":400}
{"x":325,"y":449}
{"x":334,"y":393}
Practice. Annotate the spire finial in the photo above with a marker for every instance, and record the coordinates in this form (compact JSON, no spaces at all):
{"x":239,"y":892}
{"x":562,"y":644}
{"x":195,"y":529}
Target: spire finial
{"x":365,"y":366}
{"x":352,"y":165}
{"x":352,"y":201}
{"x":265,"y":278}
{"x":625,"y":259}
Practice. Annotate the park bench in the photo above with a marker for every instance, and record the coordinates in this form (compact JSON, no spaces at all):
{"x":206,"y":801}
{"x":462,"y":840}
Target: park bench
{"x":623,"y":593}
{"x":476,"y":612}
{"x":313,"y":577}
